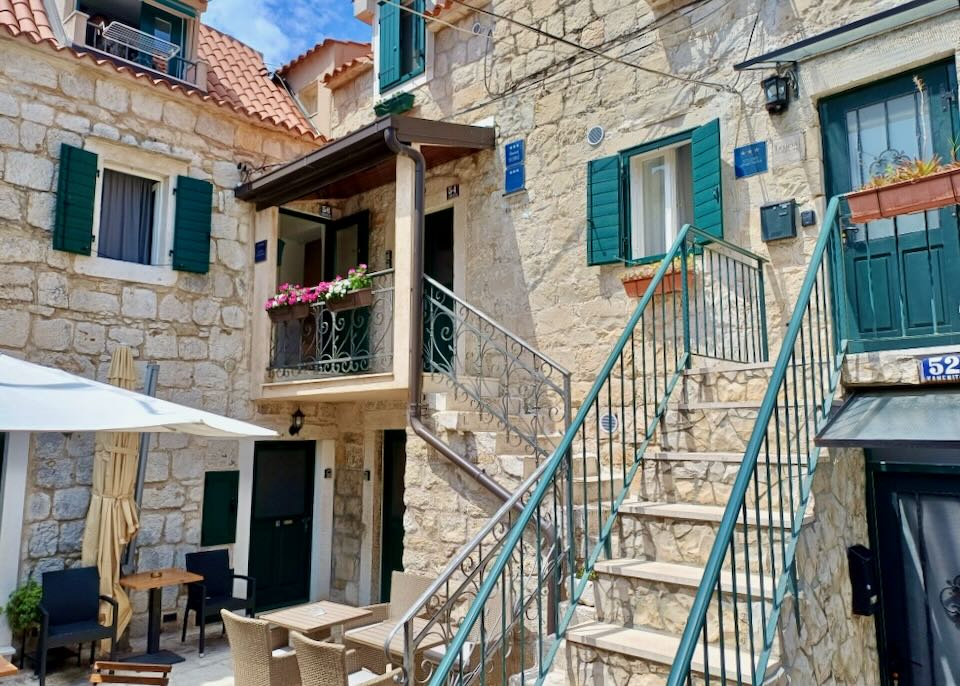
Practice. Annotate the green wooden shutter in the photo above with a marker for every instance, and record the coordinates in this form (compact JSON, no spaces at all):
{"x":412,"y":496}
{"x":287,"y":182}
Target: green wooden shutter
{"x":220,"y":496}
{"x":191,"y":231}
{"x":707,"y":193}
{"x":76,"y":189}
{"x":604,"y":226}
{"x":389,"y":44}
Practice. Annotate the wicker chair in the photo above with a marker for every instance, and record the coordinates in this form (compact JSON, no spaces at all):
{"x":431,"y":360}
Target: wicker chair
{"x":254,"y":661}
{"x":333,"y":665}
{"x":405,"y":590}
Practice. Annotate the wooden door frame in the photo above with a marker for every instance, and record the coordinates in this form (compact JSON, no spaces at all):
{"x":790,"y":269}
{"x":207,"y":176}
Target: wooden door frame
{"x":322,"y":531}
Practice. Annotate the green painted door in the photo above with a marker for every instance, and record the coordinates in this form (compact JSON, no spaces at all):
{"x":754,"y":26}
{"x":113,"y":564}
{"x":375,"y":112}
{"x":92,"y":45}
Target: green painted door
{"x":281,"y":522}
{"x":439,"y":325}
{"x":391,"y":545}
{"x":917,"y":536}
{"x":344,"y":337}
{"x":897,"y":270}
{"x":167,"y":27}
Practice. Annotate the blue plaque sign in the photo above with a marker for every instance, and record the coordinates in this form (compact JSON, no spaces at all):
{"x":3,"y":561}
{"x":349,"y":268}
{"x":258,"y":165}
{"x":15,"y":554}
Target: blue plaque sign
{"x":940,"y":368}
{"x":514,"y":153}
{"x":260,"y":251}
{"x":514,"y":179}
{"x":750,"y":159}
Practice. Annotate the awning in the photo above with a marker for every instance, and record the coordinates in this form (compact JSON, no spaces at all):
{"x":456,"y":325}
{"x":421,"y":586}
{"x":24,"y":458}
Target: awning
{"x":37,"y":398}
{"x":920,"y":417}
{"x":361,"y":161}
{"x":842,"y":36}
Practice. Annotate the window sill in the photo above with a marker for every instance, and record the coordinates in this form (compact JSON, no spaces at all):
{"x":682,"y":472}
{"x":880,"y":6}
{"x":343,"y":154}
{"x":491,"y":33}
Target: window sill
{"x":104,"y":268}
{"x":639,"y":261}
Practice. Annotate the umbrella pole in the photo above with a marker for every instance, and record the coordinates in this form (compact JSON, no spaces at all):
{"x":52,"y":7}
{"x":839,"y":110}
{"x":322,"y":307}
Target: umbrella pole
{"x":149,"y":388}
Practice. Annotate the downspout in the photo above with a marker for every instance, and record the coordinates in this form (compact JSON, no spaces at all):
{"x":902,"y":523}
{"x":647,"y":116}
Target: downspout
{"x":415,"y":366}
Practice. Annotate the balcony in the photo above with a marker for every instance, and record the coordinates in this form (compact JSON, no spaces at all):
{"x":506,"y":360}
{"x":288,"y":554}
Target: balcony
{"x":330,"y":344}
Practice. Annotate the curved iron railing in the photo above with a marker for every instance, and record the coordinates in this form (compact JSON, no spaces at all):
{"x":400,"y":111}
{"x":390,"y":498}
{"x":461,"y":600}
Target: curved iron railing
{"x":500,"y":375}
{"x":504,"y":613}
{"x":773,"y":485}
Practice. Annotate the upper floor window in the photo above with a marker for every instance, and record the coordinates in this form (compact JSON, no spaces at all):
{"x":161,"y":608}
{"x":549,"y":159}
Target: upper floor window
{"x":130,"y":212}
{"x":402,"y":41}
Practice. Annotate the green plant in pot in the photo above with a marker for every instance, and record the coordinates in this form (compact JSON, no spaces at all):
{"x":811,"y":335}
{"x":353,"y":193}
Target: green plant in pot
{"x":23,"y":609}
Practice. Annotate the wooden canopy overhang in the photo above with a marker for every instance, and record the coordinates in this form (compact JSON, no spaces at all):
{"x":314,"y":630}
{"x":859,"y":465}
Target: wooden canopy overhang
{"x":362,"y":160}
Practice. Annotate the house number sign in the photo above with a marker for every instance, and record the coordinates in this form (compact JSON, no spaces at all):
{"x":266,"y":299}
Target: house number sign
{"x":940,"y":368}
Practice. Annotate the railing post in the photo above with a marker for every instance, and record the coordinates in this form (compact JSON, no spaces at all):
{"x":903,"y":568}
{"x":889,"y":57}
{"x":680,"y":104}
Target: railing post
{"x":761,"y":296}
{"x":685,"y":301}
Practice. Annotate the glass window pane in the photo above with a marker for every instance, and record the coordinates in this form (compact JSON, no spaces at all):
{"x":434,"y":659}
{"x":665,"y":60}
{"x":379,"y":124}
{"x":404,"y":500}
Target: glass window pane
{"x":127,"y":205}
{"x":653,"y":179}
{"x":684,"y":189}
{"x":904,"y":125}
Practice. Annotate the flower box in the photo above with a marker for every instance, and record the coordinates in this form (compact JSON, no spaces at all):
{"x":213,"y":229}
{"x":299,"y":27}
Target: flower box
{"x":289,"y":313}
{"x":937,"y":190}
{"x":351,"y":301}
{"x":636,"y":286}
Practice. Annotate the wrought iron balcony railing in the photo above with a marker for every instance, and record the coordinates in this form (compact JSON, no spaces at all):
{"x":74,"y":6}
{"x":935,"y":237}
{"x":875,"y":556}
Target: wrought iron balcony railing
{"x":331,"y":343}
{"x":131,"y":45}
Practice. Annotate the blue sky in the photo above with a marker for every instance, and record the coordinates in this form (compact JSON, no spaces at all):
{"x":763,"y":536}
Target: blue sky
{"x":282,"y":29}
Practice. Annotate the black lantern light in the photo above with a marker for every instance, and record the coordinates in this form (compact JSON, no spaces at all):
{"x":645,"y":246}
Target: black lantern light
{"x":776,"y":92}
{"x":297,"y":422}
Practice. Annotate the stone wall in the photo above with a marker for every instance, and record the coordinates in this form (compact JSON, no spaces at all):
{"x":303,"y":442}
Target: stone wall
{"x":71,"y":312}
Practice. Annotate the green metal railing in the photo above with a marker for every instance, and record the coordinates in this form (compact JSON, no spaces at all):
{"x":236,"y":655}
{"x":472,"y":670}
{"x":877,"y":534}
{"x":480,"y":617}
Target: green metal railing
{"x":706,"y":298}
{"x":751,"y":567}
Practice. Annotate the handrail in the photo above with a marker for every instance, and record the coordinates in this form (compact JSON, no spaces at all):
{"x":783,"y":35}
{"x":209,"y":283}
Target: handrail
{"x":554,"y":481}
{"x":821,"y":277}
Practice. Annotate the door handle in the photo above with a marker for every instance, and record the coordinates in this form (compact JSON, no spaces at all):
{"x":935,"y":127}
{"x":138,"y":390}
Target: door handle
{"x":287,"y":522}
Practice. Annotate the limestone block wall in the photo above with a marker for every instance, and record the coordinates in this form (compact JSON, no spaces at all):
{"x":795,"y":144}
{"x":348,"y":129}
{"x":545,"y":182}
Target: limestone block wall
{"x":71,"y":312}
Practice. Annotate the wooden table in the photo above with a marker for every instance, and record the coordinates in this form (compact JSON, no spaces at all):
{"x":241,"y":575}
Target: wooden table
{"x":314,"y":618}
{"x":375,"y":636}
{"x":6,"y":669}
{"x":154,"y":582}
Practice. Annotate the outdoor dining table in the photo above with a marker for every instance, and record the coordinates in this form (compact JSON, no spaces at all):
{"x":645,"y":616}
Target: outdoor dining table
{"x":154,"y":582}
{"x":314,"y":618}
{"x":375,"y":636}
{"x":6,"y":669}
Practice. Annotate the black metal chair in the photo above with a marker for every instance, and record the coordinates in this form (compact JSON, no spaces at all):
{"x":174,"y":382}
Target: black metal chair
{"x":70,"y":614}
{"x":206,"y":598}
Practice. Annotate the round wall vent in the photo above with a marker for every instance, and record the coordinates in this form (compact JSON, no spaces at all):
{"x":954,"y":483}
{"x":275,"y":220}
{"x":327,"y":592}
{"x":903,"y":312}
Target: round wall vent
{"x":609,"y":423}
{"x":477,"y":28}
{"x":595,"y":135}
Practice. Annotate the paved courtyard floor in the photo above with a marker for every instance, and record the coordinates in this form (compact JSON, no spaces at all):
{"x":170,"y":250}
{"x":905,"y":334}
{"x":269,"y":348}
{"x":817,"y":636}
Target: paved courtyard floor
{"x":213,"y":669}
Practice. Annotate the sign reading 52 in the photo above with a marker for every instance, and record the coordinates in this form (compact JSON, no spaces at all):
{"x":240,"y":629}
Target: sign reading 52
{"x":940,"y":368}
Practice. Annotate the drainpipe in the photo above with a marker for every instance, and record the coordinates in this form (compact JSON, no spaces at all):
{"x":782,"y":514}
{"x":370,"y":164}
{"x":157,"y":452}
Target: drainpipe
{"x":415,"y":382}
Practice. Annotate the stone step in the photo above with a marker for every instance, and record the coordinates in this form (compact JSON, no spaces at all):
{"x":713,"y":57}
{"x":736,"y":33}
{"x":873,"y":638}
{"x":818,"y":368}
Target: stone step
{"x":660,"y":595}
{"x":727,"y":382}
{"x":708,"y":478}
{"x":684,"y":533}
{"x":459,"y":401}
{"x":484,"y":387}
{"x":581,"y":466}
{"x":511,"y":444}
{"x":649,"y":652}
{"x":477,"y":422}
{"x":721,"y":427}
{"x":604,"y":487}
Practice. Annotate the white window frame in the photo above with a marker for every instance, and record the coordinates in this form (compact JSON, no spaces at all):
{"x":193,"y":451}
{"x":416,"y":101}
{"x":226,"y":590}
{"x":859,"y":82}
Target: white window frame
{"x":638,"y":247}
{"x":412,"y":83}
{"x":162,"y":241}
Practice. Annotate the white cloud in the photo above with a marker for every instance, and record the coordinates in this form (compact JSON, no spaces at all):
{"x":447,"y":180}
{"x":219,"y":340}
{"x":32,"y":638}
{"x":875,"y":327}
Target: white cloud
{"x":282,"y":29}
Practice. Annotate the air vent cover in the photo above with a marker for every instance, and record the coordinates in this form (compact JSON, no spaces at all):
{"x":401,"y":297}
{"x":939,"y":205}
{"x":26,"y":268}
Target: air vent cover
{"x":595,"y":135}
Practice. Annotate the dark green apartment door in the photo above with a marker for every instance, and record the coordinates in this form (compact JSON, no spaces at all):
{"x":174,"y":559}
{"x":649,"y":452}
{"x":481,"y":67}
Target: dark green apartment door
{"x":917,"y":535}
{"x":898,"y":271}
{"x":281,"y":522}
{"x":394,"y":470}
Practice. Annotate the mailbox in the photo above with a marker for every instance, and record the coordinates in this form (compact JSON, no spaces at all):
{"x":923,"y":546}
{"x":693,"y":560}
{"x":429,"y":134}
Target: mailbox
{"x":863,"y":580}
{"x":778,"y":220}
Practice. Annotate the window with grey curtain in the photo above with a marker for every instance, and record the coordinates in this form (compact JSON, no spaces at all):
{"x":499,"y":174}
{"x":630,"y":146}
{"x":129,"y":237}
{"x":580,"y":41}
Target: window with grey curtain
{"x":126,"y":217}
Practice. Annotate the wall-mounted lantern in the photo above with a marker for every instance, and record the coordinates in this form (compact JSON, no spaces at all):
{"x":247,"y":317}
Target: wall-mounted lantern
{"x":776,"y":93}
{"x":297,"y":424}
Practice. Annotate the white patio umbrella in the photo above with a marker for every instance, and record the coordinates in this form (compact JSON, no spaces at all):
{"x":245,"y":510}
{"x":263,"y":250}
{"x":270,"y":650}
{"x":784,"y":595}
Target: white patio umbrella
{"x":38,"y":398}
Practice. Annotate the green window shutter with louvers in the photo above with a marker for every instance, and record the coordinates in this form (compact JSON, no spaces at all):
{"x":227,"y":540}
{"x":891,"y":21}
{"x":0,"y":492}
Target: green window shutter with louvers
{"x":604,"y":225}
{"x":76,"y":190}
{"x":191,"y":230}
{"x":707,"y":192}
{"x":389,"y":44}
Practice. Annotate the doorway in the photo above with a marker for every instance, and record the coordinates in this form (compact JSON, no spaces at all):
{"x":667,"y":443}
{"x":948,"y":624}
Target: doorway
{"x":897,"y":270}
{"x":281,"y":524}
{"x":439,"y":324}
{"x":916,"y":533}
{"x":394,"y":471}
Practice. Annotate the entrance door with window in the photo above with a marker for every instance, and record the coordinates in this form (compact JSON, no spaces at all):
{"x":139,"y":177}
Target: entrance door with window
{"x":167,"y":27}
{"x":439,"y":325}
{"x":282,"y":522}
{"x":345,"y":336}
{"x":897,"y":270}
{"x":917,"y":534}
{"x":394,"y":469}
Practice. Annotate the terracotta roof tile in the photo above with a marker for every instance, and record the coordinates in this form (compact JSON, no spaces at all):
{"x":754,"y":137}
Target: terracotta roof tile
{"x":344,"y":72}
{"x":319,"y":46}
{"x":237,"y":77}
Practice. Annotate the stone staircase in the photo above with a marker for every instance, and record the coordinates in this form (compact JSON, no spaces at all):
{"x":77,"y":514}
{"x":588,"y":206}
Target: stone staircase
{"x":629,"y":630}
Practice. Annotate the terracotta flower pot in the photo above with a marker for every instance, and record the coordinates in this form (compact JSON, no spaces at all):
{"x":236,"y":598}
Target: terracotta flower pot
{"x":636,"y":287}
{"x":927,"y":193}
{"x":352,"y":300}
{"x":289,"y":313}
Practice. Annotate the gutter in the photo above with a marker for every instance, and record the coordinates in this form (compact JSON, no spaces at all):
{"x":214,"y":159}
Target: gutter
{"x":415,"y":381}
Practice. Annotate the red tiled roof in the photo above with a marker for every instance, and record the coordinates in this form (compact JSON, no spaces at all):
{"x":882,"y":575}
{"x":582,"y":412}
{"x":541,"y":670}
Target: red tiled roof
{"x":319,"y":46}
{"x":358,"y":65}
{"x":437,"y":9}
{"x":237,"y":78}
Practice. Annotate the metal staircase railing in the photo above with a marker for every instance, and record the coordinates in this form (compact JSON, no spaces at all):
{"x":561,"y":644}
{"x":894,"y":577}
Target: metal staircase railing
{"x":497,"y":608}
{"x":777,"y":471}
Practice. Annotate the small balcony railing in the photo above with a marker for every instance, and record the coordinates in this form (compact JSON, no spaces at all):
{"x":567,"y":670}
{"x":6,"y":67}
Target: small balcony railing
{"x":128,"y":44}
{"x":345,"y":343}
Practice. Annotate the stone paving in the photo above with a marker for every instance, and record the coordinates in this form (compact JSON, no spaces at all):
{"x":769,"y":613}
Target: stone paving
{"x":215,"y":668}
